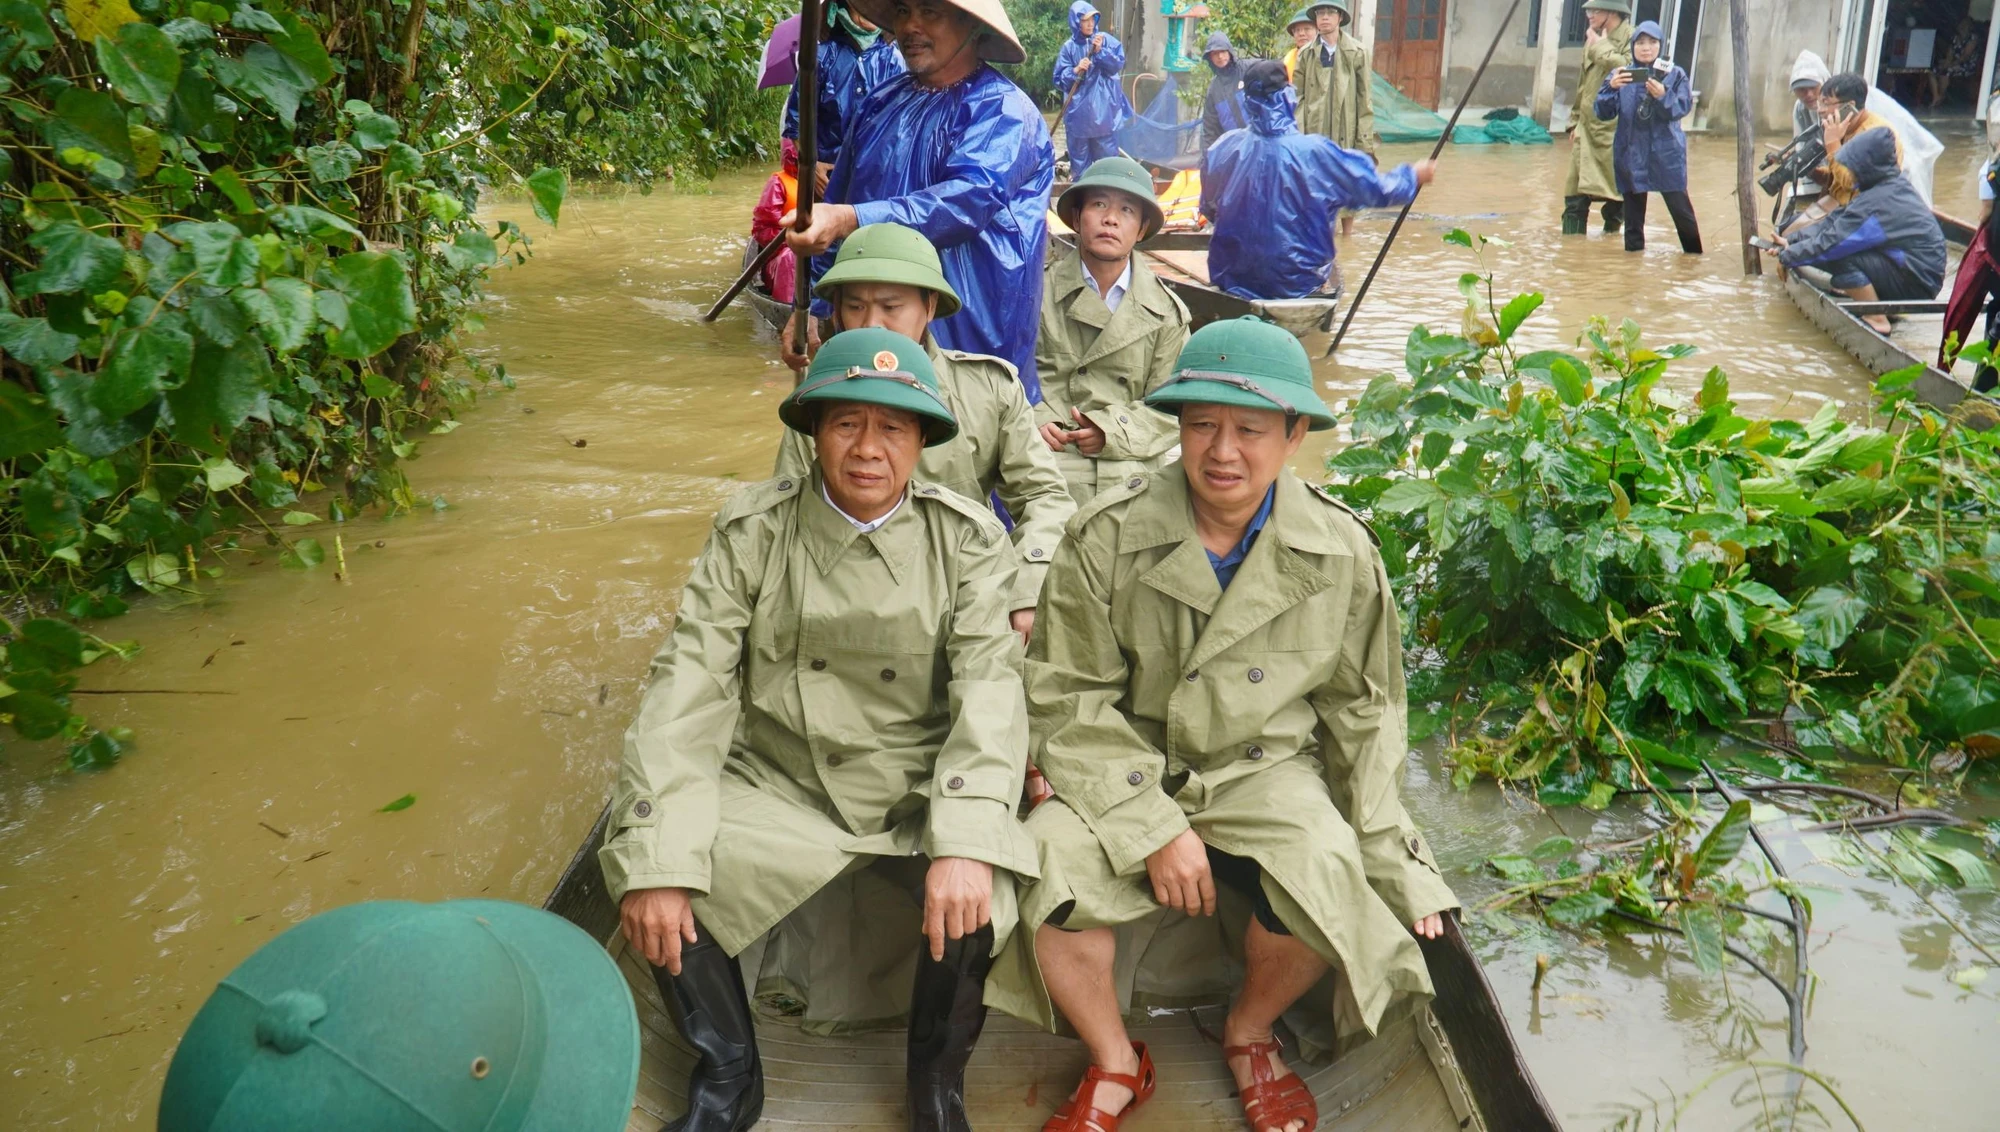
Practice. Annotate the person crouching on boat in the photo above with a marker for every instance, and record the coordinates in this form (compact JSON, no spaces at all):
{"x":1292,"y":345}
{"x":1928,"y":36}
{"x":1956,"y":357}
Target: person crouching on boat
{"x":1885,"y":243}
{"x":888,"y":276}
{"x":1110,"y":333}
{"x":1273,"y":193}
{"x":840,"y":692}
{"x":1215,"y":687}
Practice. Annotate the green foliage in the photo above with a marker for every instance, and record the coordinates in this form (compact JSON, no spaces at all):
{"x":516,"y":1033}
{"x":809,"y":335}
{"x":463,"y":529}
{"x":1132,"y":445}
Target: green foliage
{"x":1256,"y":27}
{"x":1608,"y":565}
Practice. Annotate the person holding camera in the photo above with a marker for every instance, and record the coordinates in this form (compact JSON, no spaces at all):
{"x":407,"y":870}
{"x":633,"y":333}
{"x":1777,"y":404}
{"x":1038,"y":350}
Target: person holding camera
{"x":1884,"y":244}
{"x":1809,"y":74}
{"x":1648,"y":100}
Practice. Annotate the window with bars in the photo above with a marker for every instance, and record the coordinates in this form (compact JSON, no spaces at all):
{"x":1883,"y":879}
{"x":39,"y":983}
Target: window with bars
{"x":1416,"y":20}
{"x":1574,"y":23}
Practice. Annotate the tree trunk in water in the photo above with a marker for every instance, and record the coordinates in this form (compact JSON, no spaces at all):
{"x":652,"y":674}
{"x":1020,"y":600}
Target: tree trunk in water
{"x":1746,"y":135}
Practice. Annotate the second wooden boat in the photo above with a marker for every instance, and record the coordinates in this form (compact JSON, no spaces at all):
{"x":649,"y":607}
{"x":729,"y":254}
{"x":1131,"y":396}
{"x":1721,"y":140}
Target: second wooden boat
{"x":1450,"y":1068}
{"x":1180,"y":260}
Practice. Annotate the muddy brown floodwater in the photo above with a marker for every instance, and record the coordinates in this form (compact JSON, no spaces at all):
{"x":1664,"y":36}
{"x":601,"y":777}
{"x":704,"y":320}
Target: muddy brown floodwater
{"x":485,"y":658}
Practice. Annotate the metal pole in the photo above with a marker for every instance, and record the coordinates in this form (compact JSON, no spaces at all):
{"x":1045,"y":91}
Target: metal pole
{"x":808,"y":87}
{"x":1396,"y":228}
{"x":1746,"y":135}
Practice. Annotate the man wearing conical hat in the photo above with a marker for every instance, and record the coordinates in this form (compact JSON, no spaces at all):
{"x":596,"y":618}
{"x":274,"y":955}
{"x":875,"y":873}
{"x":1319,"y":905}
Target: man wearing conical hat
{"x":840,"y":699}
{"x":1607,"y":45}
{"x":1216,"y":694}
{"x":955,"y":150}
{"x":1110,"y":333}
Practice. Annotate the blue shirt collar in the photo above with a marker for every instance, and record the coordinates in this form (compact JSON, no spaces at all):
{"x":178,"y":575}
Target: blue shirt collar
{"x":1225,"y":565}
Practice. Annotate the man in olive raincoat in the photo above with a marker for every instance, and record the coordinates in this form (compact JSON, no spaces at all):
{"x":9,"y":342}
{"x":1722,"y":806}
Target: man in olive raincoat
{"x":840,"y":693}
{"x":1606,"y":47}
{"x":887,"y":275}
{"x":1086,"y":72}
{"x":1332,"y":77}
{"x":1110,"y":333}
{"x":1216,"y":694}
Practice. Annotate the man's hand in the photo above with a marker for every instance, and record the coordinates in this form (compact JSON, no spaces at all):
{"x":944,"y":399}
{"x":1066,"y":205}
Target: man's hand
{"x":1654,"y":88}
{"x":1037,"y":789}
{"x":786,"y":350}
{"x":822,"y":171}
{"x":1054,"y":435}
{"x":958,"y":900}
{"x":1620,"y":78}
{"x":1023,"y":621}
{"x":1426,"y":171}
{"x":657,"y":921}
{"x":1088,"y":438}
{"x":1180,"y":876}
{"x":1083,"y":65}
{"x":1430,"y":927}
{"x":1591,"y":37}
{"x":831,"y":223}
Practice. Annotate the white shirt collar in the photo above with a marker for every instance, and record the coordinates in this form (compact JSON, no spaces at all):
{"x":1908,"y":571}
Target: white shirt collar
{"x":1118,"y":289}
{"x":864,"y":528}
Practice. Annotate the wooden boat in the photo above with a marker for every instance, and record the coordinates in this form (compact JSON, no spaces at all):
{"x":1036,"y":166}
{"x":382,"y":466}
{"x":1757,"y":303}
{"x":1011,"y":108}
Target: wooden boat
{"x":1180,"y":259}
{"x":1841,"y":318}
{"x":773,"y":312}
{"x":1451,"y":1068}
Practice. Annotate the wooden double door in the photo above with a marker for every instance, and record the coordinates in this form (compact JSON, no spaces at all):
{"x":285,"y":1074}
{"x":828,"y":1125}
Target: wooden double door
{"x":1409,"y":47}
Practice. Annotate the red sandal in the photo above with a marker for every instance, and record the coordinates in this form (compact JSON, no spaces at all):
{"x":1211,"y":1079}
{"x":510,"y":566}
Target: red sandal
{"x":1272,"y":1102}
{"x":1081,"y":1114}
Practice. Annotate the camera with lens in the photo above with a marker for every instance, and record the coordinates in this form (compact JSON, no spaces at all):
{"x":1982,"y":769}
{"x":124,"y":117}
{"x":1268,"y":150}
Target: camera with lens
{"x":1806,"y":153}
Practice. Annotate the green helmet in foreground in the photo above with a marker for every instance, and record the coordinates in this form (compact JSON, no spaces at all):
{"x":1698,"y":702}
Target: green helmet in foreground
{"x":875,"y":367}
{"x":1246,"y":362}
{"x":1126,"y":176}
{"x":889,"y":253}
{"x":470,"y":1014}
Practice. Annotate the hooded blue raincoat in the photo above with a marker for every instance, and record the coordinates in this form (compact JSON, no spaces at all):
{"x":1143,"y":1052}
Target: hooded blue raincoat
{"x":847,"y":71}
{"x":1098,"y":105}
{"x":1886,"y":237}
{"x":969,"y":167}
{"x":1274,"y":193}
{"x":1650,"y":151}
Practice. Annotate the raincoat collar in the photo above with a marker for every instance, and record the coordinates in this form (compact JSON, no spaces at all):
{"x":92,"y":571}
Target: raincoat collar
{"x":1143,"y":291}
{"x":1077,"y":12}
{"x":1871,"y":157}
{"x":1273,"y":115}
{"x":828,"y":534}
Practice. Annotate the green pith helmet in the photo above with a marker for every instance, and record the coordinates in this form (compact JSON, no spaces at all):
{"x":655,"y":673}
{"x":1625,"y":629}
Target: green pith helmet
{"x":470,"y":1014}
{"x":877,"y":367}
{"x":1615,"y":7}
{"x":889,"y":253}
{"x":1341,"y":6}
{"x":1120,"y":173}
{"x":1302,"y":16}
{"x":1246,"y":362}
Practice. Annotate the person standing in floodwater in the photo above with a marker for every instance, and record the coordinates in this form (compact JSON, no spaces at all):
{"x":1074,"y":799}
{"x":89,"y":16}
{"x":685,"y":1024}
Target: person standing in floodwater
{"x":955,"y":150}
{"x":1094,"y":105}
{"x":1648,"y":101}
{"x":1605,"y":47}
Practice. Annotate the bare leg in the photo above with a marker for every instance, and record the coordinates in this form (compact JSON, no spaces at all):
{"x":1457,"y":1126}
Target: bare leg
{"x":1279,"y":970}
{"x":1347,"y":224}
{"x":1076,"y":967}
{"x":1878,"y":322}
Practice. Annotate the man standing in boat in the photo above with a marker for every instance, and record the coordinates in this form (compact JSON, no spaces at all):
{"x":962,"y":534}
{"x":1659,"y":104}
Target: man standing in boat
{"x":888,"y":276}
{"x":1094,"y":105}
{"x":841,"y":692}
{"x":1273,"y":192}
{"x":1607,"y":44}
{"x":1216,"y":693}
{"x":1110,"y":334}
{"x":854,"y":58}
{"x":1334,"y":77}
{"x":955,"y":150}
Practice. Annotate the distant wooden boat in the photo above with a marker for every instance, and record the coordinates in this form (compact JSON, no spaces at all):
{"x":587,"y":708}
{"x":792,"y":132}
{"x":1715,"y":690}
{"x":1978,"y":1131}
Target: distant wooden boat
{"x":1180,"y":260}
{"x":1842,"y":319}
{"x":773,"y":312}
{"x":1453,"y":1067}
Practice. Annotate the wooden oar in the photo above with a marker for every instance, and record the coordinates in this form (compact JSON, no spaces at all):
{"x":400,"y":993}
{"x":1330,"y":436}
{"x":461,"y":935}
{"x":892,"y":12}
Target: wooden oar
{"x":764,"y":257}
{"x":1438,"y":149}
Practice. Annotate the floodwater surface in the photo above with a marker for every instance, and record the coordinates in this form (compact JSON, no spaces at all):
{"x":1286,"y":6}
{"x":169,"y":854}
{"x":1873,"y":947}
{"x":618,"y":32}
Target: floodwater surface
{"x":485,"y":658}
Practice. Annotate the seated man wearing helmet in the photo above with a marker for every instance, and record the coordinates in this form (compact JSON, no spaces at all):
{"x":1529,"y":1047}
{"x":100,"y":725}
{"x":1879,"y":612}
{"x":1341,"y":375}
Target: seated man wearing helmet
{"x":1215,"y":688}
{"x":841,"y":692}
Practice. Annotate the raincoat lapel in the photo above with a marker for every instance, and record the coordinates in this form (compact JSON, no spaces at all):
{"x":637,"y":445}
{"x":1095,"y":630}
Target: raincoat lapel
{"x":1274,"y":578}
{"x":1136,"y":317}
{"x":1159,"y":517}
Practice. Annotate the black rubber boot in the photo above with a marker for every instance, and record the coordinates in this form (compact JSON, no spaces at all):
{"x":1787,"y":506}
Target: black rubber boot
{"x":1576,"y":215}
{"x":1614,"y":215}
{"x":946,"y":1015}
{"x":707,"y":1004}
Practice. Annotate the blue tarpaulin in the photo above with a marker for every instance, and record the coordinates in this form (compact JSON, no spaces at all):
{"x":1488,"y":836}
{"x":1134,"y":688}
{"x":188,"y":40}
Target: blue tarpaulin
{"x":1157,"y":132}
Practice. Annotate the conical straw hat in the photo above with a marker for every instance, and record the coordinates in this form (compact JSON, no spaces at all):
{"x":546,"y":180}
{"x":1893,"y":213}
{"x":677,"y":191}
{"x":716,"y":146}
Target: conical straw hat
{"x":1000,"y":45}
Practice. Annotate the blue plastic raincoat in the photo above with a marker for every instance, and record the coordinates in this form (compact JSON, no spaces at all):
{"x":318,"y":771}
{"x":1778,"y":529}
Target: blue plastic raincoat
{"x":1098,"y":106}
{"x":1650,"y":151}
{"x":1273,"y":194}
{"x":846,"y":73}
{"x":969,"y":167}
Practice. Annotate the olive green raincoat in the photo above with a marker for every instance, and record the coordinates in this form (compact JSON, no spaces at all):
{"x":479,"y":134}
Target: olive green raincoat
{"x":1268,"y":717}
{"x":1104,"y":362}
{"x":1335,"y":101}
{"x":1590,"y":169}
{"x":997,"y":449}
{"x":828,"y":697}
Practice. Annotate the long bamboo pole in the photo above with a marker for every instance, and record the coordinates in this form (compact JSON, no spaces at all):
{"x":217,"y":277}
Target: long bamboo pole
{"x":809,"y":21}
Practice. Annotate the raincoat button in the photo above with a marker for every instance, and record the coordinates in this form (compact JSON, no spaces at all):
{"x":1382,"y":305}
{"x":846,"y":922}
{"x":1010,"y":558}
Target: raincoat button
{"x":1416,"y":847}
{"x":1124,"y":420}
{"x":1255,"y":752}
{"x":784,"y":485}
{"x":643,"y":809}
{"x":888,"y":674}
{"x":1193,"y":675}
{"x":930,"y":491}
{"x":1134,"y":482}
{"x":1256,"y":676}
{"x":1135,"y":778}
{"x":1035,"y":553}
{"x":956,"y":783}
{"x":834,"y":760}
{"x":819,"y":666}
